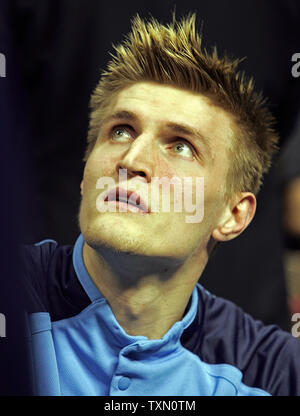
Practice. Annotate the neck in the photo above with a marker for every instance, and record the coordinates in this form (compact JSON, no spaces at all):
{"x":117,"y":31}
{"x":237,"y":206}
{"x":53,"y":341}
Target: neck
{"x":147,"y":295}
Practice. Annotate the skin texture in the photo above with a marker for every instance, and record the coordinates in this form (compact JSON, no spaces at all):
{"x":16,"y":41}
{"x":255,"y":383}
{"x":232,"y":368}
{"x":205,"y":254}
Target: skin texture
{"x":147,"y":264}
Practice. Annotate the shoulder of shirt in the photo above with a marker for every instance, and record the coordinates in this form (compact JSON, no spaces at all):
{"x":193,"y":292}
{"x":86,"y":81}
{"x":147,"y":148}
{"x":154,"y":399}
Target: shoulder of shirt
{"x":222,"y":333}
{"x":50,"y":280}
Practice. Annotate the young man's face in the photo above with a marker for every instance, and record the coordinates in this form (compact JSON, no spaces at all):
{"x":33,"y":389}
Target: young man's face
{"x":155,"y":130}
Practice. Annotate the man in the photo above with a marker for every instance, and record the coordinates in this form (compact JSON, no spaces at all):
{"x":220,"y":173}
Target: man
{"x":121,"y":313}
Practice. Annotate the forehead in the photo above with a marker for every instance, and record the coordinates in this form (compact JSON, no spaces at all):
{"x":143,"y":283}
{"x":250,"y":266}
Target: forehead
{"x":160,"y":105}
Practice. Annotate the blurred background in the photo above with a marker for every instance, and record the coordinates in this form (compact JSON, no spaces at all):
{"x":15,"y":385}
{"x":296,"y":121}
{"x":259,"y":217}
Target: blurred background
{"x":55,"y":51}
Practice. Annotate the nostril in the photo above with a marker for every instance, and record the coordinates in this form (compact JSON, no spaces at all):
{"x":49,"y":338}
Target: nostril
{"x":125,"y":172}
{"x":132,"y":172}
{"x":140,"y":173}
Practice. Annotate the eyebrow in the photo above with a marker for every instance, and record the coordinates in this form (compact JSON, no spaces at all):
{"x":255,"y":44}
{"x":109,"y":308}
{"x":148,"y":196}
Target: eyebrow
{"x":175,"y":127}
{"x":123,"y":115}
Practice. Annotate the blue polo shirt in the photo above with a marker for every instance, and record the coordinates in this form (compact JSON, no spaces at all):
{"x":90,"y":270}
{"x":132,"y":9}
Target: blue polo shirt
{"x":91,"y":354}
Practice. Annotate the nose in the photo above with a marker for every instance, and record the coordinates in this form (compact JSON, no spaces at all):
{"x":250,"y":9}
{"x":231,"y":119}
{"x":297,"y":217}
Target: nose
{"x":138,"y":159}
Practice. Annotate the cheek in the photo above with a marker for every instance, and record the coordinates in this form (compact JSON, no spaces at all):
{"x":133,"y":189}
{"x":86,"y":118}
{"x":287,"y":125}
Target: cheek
{"x":213,"y":204}
{"x":106,"y":166}
{"x":165,"y":169}
{"x":99,"y":166}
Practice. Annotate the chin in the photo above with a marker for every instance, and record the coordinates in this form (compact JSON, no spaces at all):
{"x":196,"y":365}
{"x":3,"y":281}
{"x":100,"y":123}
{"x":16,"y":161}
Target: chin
{"x":115,"y":234}
{"x":108,"y":236}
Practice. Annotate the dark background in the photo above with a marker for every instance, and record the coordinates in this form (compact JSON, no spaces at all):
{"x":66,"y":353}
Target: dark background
{"x":55,"y":50}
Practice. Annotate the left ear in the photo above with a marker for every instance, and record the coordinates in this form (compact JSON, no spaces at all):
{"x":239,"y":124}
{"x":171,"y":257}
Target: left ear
{"x":236,"y":218}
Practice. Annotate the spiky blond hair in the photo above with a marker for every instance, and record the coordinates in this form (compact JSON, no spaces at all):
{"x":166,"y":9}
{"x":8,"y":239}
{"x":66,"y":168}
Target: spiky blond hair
{"x":173,"y":54}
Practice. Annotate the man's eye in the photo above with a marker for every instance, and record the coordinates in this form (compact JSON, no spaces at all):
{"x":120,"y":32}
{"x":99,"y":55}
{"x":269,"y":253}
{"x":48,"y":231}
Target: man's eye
{"x":119,"y":133}
{"x":183,"y":149}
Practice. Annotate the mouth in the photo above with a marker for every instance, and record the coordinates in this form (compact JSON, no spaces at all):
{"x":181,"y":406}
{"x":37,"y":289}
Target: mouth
{"x":127,"y":198}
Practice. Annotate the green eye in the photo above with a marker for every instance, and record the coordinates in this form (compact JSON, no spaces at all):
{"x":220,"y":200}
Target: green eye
{"x":183,"y":149}
{"x":178,"y":147}
{"x":120,"y":132}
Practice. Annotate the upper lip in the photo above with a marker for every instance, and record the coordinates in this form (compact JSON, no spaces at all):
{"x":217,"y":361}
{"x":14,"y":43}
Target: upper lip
{"x":121,"y":194}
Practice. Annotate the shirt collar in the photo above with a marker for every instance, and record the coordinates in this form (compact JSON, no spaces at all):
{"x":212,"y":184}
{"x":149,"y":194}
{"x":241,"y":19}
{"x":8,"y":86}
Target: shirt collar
{"x":94,"y":293}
